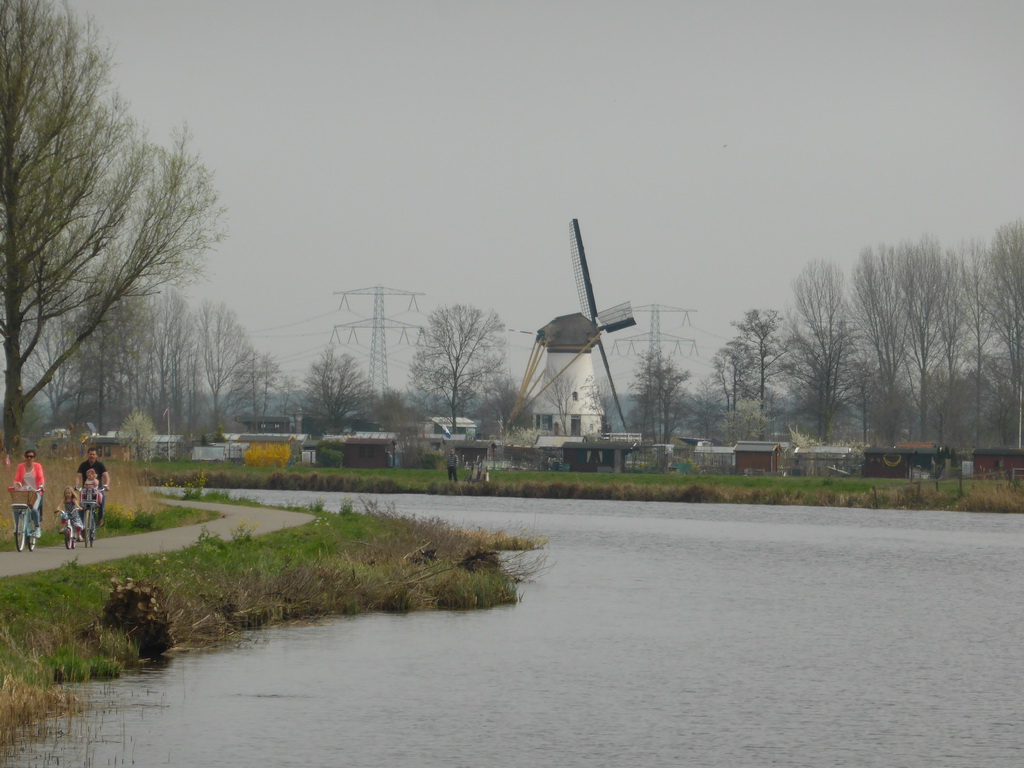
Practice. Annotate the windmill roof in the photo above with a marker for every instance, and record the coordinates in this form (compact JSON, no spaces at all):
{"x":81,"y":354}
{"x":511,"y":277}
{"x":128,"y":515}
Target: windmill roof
{"x":571,"y":332}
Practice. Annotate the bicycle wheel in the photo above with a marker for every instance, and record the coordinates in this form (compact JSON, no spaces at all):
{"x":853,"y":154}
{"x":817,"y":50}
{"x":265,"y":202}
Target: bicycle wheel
{"x":69,"y":535}
{"x":20,"y":524}
{"x":29,"y":538}
{"x":90,"y":526}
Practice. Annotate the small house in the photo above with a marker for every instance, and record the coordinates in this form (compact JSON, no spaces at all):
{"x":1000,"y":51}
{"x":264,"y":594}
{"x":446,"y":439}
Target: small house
{"x":369,"y":453}
{"x":599,"y":456}
{"x":998,"y":461}
{"x":758,"y":457}
{"x":902,"y":462}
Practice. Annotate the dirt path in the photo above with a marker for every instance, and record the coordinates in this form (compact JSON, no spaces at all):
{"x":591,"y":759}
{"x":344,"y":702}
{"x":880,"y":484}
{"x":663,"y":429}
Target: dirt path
{"x":46,"y":558}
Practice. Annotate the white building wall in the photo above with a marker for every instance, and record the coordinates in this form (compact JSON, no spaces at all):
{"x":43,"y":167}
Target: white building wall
{"x":587,"y":404}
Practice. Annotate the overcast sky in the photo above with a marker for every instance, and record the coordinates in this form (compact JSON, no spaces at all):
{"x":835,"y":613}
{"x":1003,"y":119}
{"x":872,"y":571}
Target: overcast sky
{"x":708,"y":149}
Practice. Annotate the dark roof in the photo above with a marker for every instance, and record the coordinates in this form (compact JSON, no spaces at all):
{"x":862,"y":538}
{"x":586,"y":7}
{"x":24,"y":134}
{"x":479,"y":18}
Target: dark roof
{"x":757,"y":446}
{"x":998,"y":452}
{"x":902,"y":451}
{"x":568,"y":332}
{"x":600,"y":445}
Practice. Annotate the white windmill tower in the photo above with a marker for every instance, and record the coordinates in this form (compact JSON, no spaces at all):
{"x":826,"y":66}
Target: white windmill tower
{"x":564,"y":396}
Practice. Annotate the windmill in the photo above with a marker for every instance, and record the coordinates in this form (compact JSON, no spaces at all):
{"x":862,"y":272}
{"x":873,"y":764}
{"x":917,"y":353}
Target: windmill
{"x":567,"y":343}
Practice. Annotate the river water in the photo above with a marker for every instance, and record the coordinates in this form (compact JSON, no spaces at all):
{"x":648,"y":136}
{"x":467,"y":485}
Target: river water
{"x":658,"y":635}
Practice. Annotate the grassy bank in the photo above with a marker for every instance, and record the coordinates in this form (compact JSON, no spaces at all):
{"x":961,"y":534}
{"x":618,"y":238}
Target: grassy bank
{"x":59,"y":625}
{"x":969,"y":496}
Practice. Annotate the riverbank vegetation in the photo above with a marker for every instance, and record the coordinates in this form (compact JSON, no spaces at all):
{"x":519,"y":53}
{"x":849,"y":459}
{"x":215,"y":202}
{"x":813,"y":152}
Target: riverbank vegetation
{"x":64,"y":625}
{"x":958,"y":495}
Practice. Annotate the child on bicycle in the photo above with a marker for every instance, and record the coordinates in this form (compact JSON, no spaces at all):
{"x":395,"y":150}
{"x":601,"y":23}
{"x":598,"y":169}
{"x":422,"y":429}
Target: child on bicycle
{"x":92,"y":483}
{"x":72,"y":512}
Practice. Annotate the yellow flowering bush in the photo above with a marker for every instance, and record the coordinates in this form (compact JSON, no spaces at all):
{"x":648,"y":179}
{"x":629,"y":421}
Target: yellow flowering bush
{"x":268,"y":455}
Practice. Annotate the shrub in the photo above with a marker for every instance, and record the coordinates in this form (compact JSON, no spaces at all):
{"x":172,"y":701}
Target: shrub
{"x":330,"y":453}
{"x":268,"y":455}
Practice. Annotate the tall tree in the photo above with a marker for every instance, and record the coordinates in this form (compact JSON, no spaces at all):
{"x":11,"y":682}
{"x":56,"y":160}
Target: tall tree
{"x":760,"y":334}
{"x":821,"y":344}
{"x":706,"y":408}
{"x":461,"y":349}
{"x":733,"y":372}
{"x":224,"y":344}
{"x":1006,"y":297}
{"x":953,"y":388}
{"x":255,"y":382}
{"x":172,"y":359}
{"x":878,"y":304}
{"x":921,"y":281}
{"x":659,"y":387}
{"x":498,"y":405}
{"x":337,"y":390}
{"x":978,"y":324}
{"x":90,"y":212}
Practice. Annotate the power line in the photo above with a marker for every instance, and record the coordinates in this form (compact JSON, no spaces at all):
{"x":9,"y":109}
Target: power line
{"x":378,"y":325}
{"x":655,"y":337}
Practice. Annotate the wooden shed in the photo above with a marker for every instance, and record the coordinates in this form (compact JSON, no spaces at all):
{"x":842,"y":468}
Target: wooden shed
{"x":899,"y":462}
{"x":368,"y":453}
{"x":599,"y":456}
{"x":998,"y":461}
{"x":757,"y":456}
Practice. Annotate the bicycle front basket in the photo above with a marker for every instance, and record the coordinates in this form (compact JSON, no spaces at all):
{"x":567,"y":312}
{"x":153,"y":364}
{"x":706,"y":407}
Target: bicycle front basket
{"x":28,"y":498}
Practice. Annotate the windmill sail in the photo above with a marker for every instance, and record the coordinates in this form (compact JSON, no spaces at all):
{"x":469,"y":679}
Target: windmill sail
{"x":616,"y":318}
{"x":582,"y":272}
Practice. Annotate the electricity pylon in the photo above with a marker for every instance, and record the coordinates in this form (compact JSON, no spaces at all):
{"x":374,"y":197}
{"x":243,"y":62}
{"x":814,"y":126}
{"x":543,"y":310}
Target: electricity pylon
{"x":379,"y":324}
{"x":655,"y":336}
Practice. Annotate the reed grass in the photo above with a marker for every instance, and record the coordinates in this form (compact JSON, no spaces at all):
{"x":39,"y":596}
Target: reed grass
{"x":976,"y":495}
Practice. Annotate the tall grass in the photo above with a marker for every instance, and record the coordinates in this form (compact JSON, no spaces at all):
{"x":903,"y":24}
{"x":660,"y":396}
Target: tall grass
{"x":974,"y":495}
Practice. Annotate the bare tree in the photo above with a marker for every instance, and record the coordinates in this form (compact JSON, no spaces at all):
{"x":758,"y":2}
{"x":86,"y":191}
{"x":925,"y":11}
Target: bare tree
{"x":337,"y":390}
{"x":733,"y":371}
{"x":952,"y":387}
{"x":659,"y":387}
{"x":90,"y":213}
{"x":255,"y":382}
{"x":223,"y":344}
{"x":171,"y":352}
{"x":462,"y":349}
{"x":921,"y":281}
{"x":760,"y":335}
{"x":978,"y":321}
{"x":1006,"y":296}
{"x":821,"y":344}
{"x":62,"y":388}
{"x":878,"y":304}
{"x":706,"y":408}
{"x":498,"y":404}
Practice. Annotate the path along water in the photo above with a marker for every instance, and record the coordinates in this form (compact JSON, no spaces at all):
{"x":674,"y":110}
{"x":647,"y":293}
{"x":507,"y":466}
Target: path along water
{"x":661,"y":634}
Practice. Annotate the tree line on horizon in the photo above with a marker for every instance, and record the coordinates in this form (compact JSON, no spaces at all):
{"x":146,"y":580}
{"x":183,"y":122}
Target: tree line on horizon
{"x":919,"y":342}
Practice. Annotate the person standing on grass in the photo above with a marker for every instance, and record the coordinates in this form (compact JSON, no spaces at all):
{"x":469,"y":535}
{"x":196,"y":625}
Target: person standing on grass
{"x":453,"y":466}
{"x":92,"y":462}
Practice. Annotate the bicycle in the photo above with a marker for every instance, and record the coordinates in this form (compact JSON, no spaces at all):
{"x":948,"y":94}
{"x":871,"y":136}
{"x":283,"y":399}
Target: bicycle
{"x":70,"y":536}
{"x":90,"y":507}
{"x":21,"y":502}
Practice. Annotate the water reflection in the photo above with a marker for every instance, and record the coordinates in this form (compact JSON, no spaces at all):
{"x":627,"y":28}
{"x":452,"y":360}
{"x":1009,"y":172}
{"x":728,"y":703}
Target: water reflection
{"x":663,"y":634}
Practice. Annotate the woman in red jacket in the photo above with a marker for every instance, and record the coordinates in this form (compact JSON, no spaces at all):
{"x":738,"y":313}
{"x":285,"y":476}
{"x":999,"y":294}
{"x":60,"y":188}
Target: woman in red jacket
{"x":29,"y":476}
